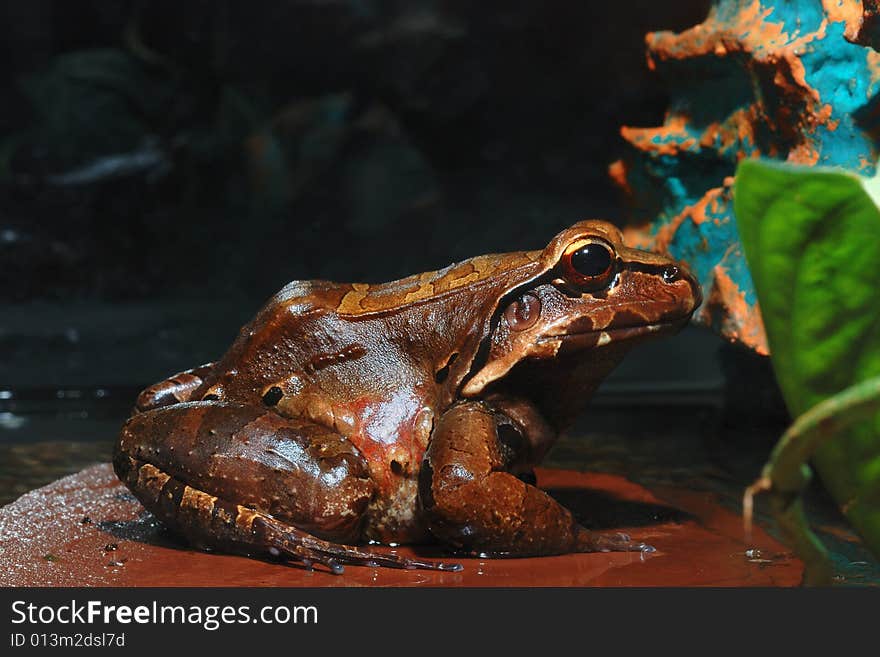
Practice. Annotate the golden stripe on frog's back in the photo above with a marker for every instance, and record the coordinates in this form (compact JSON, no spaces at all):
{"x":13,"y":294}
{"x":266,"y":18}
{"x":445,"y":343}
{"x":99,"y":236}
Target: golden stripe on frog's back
{"x":365,"y":298}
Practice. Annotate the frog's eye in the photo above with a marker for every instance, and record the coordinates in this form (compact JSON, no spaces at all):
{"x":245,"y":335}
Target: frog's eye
{"x":588,"y":264}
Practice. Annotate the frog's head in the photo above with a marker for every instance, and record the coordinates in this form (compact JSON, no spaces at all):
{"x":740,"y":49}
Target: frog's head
{"x":593,"y":299}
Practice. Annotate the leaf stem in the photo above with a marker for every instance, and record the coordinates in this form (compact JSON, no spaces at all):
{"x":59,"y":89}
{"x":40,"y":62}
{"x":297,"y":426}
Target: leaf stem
{"x":787,"y":472}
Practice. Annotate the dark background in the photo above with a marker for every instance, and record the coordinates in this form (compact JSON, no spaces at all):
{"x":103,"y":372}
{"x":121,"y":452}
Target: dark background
{"x":220,"y":149}
{"x":165,"y":167}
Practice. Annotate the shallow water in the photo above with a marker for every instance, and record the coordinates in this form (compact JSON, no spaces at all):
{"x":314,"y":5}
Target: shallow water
{"x":46,"y":433}
{"x":87,"y":529}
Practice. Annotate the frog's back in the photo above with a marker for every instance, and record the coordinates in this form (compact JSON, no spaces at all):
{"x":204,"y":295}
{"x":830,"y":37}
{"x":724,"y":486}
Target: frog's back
{"x":313,"y":318}
{"x":353,"y":299}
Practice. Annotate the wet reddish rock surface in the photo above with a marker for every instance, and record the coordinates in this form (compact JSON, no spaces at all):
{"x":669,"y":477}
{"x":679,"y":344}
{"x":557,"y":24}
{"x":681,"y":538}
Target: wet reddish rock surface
{"x":87,"y":530}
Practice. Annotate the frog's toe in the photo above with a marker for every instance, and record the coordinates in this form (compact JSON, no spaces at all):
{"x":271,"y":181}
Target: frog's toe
{"x":286,"y":540}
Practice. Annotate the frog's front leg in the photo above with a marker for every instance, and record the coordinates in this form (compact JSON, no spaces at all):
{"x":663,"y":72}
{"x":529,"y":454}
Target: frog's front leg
{"x":246,"y":479}
{"x":473,"y":503}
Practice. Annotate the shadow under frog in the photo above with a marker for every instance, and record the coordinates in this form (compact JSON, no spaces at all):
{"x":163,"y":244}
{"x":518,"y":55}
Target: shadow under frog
{"x":409,"y":411}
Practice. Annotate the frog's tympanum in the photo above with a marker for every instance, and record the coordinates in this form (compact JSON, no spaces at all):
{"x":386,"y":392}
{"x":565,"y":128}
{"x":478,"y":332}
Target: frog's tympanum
{"x":403,"y":412}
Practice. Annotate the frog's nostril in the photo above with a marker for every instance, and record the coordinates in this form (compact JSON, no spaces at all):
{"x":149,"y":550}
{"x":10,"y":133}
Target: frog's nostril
{"x":671,"y":273}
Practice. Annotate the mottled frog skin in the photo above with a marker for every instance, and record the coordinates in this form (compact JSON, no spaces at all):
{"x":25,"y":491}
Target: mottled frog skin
{"x":408,"y":411}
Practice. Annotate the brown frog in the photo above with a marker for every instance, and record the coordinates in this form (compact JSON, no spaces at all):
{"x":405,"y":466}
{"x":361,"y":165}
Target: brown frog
{"x":402,"y":412}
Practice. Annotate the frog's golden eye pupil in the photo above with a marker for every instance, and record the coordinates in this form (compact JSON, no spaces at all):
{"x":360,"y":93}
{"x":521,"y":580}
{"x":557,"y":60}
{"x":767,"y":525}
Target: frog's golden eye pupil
{"x":523,"y":313}
{"x":592,"y":260}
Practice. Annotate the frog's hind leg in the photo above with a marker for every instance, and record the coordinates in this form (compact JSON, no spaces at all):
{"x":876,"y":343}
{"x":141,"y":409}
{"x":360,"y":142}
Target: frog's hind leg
{"x":245,"y":479}
{"x":173,"y":390}
{"x":473,"y":503}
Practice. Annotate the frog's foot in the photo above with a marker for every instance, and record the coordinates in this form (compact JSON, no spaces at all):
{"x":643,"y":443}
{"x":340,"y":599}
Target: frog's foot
{"x":617,"y":542}
{"x":283,"y":539}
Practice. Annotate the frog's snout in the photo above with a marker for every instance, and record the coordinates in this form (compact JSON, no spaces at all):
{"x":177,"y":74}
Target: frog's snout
{"x":673,"y":273}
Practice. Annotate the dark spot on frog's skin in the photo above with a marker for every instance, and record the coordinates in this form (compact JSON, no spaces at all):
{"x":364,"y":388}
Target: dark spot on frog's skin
{"x":211,"y":397}
{"x":397,"y":468}
{"x":443,"y":372}
{"x":272,"y":396}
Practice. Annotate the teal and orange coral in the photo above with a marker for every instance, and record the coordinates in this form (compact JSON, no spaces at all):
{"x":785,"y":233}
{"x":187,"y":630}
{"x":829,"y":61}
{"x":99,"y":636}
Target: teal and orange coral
{"x":792,"y":80}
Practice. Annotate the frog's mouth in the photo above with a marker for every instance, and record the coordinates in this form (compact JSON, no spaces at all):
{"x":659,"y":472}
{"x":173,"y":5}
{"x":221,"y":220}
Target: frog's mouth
{"x":602,"y":337}
{"x":580,"y":338}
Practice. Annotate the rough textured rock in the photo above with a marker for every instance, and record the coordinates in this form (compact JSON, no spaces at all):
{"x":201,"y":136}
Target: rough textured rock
{"x":758,"y":78}
{"x":862,"y":19}
{"x":87,"y":530}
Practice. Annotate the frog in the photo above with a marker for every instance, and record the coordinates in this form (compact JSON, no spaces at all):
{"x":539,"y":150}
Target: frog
{"x":345,"y":417}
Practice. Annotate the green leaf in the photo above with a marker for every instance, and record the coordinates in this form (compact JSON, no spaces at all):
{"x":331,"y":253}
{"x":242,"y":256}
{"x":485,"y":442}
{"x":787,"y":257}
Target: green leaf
{"x":812,"y":241}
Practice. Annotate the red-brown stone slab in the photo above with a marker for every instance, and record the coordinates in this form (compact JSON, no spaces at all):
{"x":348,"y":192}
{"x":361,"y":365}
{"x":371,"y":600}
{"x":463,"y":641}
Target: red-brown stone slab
{"x":45,"y":540}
